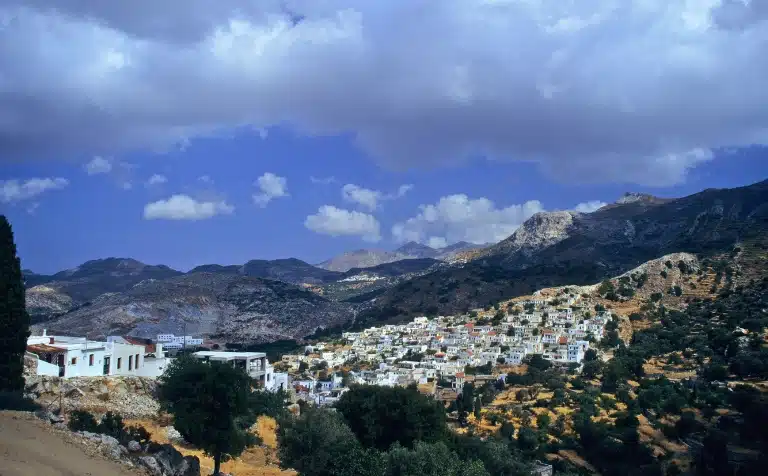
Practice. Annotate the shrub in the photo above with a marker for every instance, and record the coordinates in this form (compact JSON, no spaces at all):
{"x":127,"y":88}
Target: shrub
{"x":112,"y":424}
{"x":80,"y":420}
{"x":137,"y":433}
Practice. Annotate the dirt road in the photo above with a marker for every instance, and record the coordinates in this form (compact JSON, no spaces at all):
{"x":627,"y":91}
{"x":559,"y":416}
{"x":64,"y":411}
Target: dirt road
{"x":29,"y":447}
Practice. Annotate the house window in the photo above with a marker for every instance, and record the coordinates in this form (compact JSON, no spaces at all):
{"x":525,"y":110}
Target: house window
{"x":90,"y":360}
{"x":130,"y":363}
{"x":74,"y":361}
{"x":137,"y":361}
{"x":119,"y":362}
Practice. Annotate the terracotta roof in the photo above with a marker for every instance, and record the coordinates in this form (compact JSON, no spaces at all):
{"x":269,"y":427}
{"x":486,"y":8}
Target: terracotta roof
{"x":563,"y":340}
{"x":35,"y":348}
{"x":469,"y":325}
{"x":459,"y":374}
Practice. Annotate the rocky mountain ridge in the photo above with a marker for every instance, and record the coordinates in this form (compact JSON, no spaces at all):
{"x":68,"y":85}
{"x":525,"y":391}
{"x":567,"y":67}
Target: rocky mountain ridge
{"x":367,"y":258}
{"x":564,"y":248}
{"x":238,"y":308}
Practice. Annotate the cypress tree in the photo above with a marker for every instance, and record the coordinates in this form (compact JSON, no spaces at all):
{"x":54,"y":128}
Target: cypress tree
{"x":14,"y":320}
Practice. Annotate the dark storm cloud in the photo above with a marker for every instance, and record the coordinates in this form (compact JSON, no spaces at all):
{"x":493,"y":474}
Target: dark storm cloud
{"x":637,"y":91}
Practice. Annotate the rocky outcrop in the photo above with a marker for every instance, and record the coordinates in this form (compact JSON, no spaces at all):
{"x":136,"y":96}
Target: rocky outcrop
{"x":132,"y":397}
{"x":165,"y":460}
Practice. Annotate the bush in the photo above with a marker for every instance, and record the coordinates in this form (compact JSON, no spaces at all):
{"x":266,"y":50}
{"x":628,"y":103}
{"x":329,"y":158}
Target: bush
{"x":137,"y":433}
{"x":112,"y":424}
{"x":80,"y":420}
{"x":17,"y":401}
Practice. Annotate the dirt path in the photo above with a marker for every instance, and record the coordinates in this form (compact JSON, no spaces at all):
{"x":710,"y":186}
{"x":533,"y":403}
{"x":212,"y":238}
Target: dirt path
{"x":30,"y":447}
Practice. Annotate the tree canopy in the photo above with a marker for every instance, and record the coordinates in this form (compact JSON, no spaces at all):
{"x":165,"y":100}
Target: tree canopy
{"x":210,"y":404}
{"x":14,"y":320}
{"x":381,"y":416}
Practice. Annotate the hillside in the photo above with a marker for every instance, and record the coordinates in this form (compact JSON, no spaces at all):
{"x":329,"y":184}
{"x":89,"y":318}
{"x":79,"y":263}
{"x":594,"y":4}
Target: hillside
{"x":238,"y":308}
{"x":368,"y":258}
{"x":566,"y":248}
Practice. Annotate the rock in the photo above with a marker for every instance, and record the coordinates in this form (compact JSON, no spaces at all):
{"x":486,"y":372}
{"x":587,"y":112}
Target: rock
{"x":54,"y":418}
{"x":151,"y":465}
{"x":74,"y":393}
{"x":134,"y":446}
{"x":90,"y":436}
{"x":190,"y":466}
{"x":173,"y":434}
{"x":111,"y":447}
{"x":168,"y":458}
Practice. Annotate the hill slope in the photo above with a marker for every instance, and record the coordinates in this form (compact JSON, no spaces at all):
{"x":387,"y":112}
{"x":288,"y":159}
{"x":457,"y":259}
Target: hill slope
{"x":561,"y":248}
{"x":238,"y":308}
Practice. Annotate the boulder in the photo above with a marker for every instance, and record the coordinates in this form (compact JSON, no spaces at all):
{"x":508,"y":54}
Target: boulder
{"x":169,"y":459}
{"x":173,"y":434}
{"x":134,"y":446}
{"x":190,"y":466}
{"x":151,"y":465}
{"x":172,"y":463}
{"x":111,"y":447}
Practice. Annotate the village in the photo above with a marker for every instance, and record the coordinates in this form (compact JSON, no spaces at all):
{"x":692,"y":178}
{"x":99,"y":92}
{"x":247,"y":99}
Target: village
{"x":439,"y":355}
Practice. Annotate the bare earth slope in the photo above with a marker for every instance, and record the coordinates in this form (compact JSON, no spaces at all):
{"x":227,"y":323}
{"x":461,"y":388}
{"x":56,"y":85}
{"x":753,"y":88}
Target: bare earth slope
{"x":28,"y":447}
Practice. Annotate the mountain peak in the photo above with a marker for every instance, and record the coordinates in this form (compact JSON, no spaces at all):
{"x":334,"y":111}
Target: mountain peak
{"x":413,"y":247}
{"x":634,"y":197}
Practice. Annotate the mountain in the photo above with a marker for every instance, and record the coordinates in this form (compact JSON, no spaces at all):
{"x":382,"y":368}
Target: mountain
{"x":290,"y":270}
{"x":361,"y":258}
{"x":33,"y":279}
{"x":229,"y":307}
{"x":417,"y":250}
{"x":65,"y":290}
{"x":366,"y":258}
{"x":560,"y":248}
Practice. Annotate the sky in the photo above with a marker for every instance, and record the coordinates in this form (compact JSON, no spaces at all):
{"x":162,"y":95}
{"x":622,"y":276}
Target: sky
{"x":184,"y":133}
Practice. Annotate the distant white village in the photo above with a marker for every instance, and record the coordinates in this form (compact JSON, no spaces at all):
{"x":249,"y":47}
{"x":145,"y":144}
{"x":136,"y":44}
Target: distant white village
{"x":439,"y":355}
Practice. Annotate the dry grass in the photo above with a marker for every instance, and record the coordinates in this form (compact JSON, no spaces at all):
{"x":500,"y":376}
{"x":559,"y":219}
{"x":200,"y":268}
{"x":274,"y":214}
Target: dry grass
{"x":256,"y":461}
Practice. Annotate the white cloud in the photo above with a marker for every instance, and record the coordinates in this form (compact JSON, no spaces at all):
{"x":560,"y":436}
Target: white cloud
{"x":457,"y":218}
{"x":511,"y":80}
{"x":333,"y":221}
{"x":364,"y":197}
{"x":156,"y":179}
{"x":184,"y":207}
{"x":590,"y":206}
{"x":403,"y":189}
{"x":99,"y":165}
{"x":205,"y":179}
{"x":369,"y":199}
{"x":16,"y":191}
{"x":271,"y":186}
{"x":322,"y":180}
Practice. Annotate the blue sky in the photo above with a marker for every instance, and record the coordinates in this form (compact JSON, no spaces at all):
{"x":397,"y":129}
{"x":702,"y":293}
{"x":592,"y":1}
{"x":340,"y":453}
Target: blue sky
{"x":435,"y":134}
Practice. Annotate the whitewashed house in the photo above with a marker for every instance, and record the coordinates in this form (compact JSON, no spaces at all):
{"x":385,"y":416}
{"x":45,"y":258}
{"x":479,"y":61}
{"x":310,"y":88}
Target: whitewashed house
{"x":65,"y":356}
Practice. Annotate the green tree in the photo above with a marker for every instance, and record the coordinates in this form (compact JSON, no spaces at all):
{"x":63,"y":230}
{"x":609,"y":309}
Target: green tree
{"x":14,"y":320}
{"x":319,"y":443}
{"x":430,"y":460}
{"x":210,"y":404}
{"x":381,"y":416}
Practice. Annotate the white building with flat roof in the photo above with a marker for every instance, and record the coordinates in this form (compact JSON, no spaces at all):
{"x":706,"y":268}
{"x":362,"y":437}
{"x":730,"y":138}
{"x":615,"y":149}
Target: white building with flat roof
{"x":254,"y":363}
{"x":65,"y":356}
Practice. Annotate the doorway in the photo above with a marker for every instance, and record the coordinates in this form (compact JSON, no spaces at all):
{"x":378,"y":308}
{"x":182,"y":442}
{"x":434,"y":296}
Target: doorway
{"x":106,"y":365}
